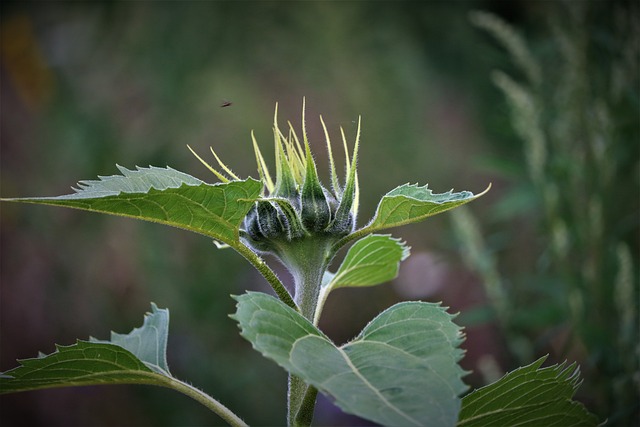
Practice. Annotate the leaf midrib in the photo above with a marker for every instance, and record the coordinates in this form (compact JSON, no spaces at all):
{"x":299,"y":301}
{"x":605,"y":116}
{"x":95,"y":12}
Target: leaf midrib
{"x":83,"y":380}
{"x":357,"y":373}
{"x":506,"y":410}
{"x":375,"y":390}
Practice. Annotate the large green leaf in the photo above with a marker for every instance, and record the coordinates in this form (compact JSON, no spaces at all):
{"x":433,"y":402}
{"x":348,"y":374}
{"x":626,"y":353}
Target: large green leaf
{"x":410,"y":203}
{"x":135,"y":358}
{"x":141,"y":360}
{"x":529,"y":396}
{"x":166,"y":196}
{"x":402,"y":370}
{"x":84,"y":363}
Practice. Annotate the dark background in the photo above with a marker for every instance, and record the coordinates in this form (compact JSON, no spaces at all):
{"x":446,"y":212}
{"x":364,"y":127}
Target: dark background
{"x":546,"y":263}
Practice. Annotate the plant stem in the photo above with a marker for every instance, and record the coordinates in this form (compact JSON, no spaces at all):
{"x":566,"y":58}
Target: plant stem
{"x":307,"y":262}
{"x":268,"y":274}
{"x":297,"y":389}
{"x":307,"y":407}
{"x":208,"y":401}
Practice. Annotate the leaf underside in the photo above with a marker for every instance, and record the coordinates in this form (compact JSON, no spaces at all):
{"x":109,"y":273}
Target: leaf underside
{"x":149,"y":342}
{"x":166,"y":196}
{"x":98,"y":362}
{"x":411,"y":203}
{"x":401,"y":370}
{"x":528,"y":396}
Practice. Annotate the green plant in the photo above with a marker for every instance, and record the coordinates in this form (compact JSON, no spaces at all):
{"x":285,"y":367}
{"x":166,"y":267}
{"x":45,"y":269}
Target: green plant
{"x":402,"y":369}
{"x":574,"y":106}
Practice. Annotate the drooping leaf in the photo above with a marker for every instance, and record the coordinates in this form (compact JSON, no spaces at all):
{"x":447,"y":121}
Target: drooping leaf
{"x":166,"y":196}
{"x":370,"y":261}
{"x":410,"y":203}
{"x":149,"y":342}
{"x":135,"y":358}
{"x":402,"y":370}
{"x":84,"y":363}
{"x":529,"y":396}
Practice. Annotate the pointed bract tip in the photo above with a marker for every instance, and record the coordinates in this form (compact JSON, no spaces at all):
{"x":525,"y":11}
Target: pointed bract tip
{"x":220,"y":176}
{"x":486,"y":190}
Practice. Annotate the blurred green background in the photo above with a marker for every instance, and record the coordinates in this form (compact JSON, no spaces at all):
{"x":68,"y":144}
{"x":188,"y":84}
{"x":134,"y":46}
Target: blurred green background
{"x":546,"y":263}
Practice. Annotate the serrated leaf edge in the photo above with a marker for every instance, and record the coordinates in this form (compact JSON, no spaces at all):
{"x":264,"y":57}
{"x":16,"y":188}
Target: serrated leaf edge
{"x":569,"y":374}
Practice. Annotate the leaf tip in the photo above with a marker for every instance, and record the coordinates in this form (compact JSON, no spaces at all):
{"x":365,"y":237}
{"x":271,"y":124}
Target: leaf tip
{"x":155,"y":309}
{"x":237,"y":298}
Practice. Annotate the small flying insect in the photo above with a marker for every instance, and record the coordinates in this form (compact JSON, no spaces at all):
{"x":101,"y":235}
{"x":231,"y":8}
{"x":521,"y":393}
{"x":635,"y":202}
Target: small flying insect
{"x":226,"y":103}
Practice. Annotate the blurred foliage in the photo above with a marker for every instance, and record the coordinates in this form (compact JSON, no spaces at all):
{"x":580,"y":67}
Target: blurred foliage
{"x":575,"y":107}
{"x":88,"y":85}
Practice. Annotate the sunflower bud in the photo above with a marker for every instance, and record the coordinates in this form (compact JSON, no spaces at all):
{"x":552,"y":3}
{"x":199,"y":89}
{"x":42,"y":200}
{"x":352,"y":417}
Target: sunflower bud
{"x":296,"y":215}
{"x":297,"y":219}
{"x":298,"y":207}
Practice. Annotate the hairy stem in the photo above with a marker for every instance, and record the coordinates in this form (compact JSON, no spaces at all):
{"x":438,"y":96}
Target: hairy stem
{"x":307,"y":263}
{"x":295,"y":397}
{"x":307,"y":407}
{"x":208,"y":401}
{"x":301,"y":402}
{"x":268,"y":274}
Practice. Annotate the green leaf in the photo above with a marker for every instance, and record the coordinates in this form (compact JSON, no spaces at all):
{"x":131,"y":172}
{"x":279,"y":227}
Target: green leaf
{"x":166,"y":196}
{"x":529,"y":396}
{"x":401,"y":370}
{"x":136,"y":358}
{"x":149,"y":342}
{"x":84,"y":363}
{"x":370,"y":261}
{"x":410,"y":203}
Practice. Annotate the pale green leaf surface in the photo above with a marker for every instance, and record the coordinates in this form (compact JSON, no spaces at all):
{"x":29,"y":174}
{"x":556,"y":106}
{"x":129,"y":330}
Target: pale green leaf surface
{"x":166,"y":196}
{"x":370,"y":261}
{"x":140,"y":180}
{"x":401,"y":370}
{"x":411,"y":203}
{"x":528,"y":396}
{"x":149,"y":342}
{"x":135,"y":358}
